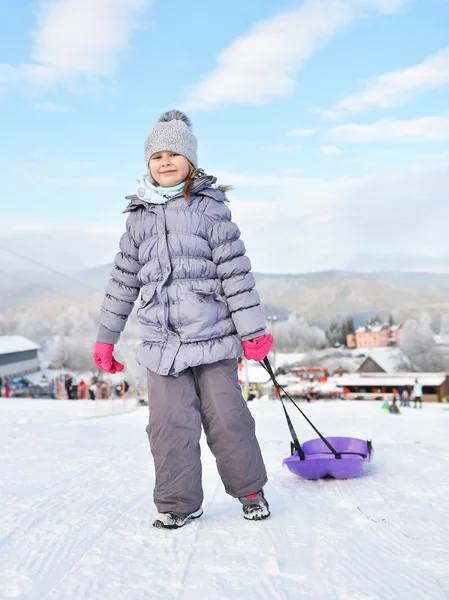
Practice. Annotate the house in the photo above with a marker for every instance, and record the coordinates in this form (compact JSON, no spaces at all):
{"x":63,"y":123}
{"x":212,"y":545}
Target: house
{"x":383,"y":360}
{"x":383,"y":369}
{"x":366,"y":386}
{"x":18,"y":356}
{"x":374,"y":335}
{"x":394,"y":333}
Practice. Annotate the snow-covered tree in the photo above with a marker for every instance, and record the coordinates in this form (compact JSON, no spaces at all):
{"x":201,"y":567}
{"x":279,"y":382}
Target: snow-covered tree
{"x":444,"y":325}
{"x":7,"y":325}
{"x":31,"y":326}
{"x":74,"y":338}
{"x":297,"y":334}
{"x":338,"y":330}
{"x":417,"y":343}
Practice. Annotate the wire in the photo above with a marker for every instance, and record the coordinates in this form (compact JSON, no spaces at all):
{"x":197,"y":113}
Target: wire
{"x":36,"y":262}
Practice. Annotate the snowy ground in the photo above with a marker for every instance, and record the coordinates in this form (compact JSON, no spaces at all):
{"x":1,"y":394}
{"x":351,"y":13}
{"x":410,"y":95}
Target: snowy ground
{"x":76,"y":509}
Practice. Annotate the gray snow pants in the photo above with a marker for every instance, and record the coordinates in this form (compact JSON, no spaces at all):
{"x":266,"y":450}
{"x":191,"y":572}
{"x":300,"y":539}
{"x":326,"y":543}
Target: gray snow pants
{"x":209,"y":395}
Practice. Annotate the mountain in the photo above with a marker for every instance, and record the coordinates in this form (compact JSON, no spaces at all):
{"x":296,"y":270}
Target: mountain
{"x":327,"y":293}
{"x":318,"y":296}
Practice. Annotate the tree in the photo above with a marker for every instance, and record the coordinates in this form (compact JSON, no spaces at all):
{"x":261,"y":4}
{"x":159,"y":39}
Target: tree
{"x":32,"y":327}
{"x":444,"y":325}
{"x":350,"y":325}
{"x":417,"y":343}
{"x":296,"y":333}
{"x":338,"y":331}
{"x":74,"y":338}
{"x":333,"y":333}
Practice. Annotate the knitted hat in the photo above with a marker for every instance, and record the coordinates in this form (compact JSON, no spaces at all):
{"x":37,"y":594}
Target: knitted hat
{"x":173,"y":133}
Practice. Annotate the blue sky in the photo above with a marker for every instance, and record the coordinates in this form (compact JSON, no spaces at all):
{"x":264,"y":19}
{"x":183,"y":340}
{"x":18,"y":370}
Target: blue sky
{"x":330,"y":118}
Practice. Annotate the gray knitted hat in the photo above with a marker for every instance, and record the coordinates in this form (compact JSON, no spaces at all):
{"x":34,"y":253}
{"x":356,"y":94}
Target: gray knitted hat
{"x":172,"y":132}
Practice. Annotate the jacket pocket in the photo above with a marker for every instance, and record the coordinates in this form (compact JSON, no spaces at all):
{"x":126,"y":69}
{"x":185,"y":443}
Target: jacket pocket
{"x":216,"y":300}
{"x":202,"y":295}
{"x":148,"y":293}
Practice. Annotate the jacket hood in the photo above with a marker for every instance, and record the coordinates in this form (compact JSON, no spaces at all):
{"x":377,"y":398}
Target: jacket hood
{"x":201,"y":186}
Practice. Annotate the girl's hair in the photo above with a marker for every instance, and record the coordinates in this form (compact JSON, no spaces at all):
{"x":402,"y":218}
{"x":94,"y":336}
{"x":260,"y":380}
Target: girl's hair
{"x":194,"y":174}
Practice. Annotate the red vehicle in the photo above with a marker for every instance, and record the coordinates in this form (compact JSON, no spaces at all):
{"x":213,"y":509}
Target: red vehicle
{"x":312,"y":374}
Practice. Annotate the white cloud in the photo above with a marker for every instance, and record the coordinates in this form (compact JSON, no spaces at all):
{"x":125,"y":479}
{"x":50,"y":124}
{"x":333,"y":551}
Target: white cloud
{"x":318,"y":224}
{"x":330,"y":150}
{"x":253,"y":179}
{"x":282,"y":148}
{"x":93,"y":182}
{"x":394,"y":89}
{"x":76,"y":38}
{"x":261,"y":65}
{"x":50,"y":106}
{"x":301,"y":132}
{"x":422,"y":129}
{"x":311,"y":223}
{"x":54,"y":171}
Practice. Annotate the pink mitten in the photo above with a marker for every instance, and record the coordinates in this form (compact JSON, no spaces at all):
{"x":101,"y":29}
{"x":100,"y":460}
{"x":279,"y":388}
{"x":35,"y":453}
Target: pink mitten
{"x":104,"y":360}
{"x":259,"y":347}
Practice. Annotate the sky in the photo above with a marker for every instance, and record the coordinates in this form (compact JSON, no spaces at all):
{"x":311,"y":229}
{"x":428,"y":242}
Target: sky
{"x":329,"y":117}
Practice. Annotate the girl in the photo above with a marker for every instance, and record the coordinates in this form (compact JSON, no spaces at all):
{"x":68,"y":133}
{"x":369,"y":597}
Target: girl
{"x":198,"y":304}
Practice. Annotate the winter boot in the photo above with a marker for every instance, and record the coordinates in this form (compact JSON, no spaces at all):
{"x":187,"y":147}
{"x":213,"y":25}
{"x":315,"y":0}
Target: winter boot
{"x":255,"y":507}
{"x":170,"y":520}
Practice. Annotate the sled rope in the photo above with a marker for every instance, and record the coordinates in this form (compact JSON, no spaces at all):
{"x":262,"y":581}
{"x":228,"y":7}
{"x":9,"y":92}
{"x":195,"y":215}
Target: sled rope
{"x":267,"y":366}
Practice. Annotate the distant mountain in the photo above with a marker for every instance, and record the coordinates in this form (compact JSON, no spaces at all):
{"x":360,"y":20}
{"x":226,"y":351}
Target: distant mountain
{"x":327,"y":293}
{"x":318,"y":296}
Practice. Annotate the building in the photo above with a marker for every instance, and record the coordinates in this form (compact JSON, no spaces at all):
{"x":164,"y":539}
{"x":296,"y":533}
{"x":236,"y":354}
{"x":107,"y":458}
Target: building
{"x":18,"y":356}
{"x":384,"y":360}
{"x":394,"y":333}
{"x":373,"y":336}
{"x":367,"y":386}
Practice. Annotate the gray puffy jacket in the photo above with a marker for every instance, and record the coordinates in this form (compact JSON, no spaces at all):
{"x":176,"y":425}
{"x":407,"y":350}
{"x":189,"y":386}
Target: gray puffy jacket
{"x":198,"y":300}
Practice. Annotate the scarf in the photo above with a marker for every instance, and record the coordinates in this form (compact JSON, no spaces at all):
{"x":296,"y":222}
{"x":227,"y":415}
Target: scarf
{"x":155,"y":194}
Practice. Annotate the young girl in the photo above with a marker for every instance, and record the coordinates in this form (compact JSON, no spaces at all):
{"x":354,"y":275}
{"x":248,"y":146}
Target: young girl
{"x":198,"y":304}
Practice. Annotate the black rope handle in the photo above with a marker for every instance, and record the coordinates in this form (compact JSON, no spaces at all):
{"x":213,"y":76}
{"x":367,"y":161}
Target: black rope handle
{"x":267,"y":366}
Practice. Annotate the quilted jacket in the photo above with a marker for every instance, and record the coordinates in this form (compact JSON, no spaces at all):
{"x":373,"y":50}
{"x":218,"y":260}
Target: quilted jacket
{"x":187,"y":261}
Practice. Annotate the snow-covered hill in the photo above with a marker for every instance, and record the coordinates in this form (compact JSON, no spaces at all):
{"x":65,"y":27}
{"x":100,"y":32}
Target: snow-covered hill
{"x":76,"y":509}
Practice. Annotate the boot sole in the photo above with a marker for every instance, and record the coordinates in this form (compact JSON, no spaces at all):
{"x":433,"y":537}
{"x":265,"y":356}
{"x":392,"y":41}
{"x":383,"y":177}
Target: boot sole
{"x":195,"y":515}
{"x":257,"y":517}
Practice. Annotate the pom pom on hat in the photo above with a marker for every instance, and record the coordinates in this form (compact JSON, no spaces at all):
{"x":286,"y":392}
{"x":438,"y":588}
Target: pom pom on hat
{"x":172,"y":133}
{"x":175,"y":115}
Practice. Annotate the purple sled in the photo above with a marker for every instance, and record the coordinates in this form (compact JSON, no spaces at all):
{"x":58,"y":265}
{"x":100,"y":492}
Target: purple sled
{"x":320,"y":462}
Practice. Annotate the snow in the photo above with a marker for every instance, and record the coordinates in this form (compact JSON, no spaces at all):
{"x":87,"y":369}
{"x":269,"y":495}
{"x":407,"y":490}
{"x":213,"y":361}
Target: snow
{"x":15,"y":343}
{"x":76,"y":509}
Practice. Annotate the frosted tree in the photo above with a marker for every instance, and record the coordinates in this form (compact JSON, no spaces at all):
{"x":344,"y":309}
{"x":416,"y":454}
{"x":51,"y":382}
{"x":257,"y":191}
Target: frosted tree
{"x":7,"y":325}
{"x":417,"y":343}
{"x":31,"y":326}
{"x":297,"y":334}
{"x":74,"y":338}
{"x":444,"y":325}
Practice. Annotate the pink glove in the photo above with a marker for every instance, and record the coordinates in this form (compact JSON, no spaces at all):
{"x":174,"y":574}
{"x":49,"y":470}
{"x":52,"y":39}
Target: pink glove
{"x":104,"y":360}
{"x":259,"y":347}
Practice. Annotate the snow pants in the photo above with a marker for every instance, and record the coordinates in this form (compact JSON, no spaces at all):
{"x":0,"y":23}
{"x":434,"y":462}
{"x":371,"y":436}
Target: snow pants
{"x":207,"y":395}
